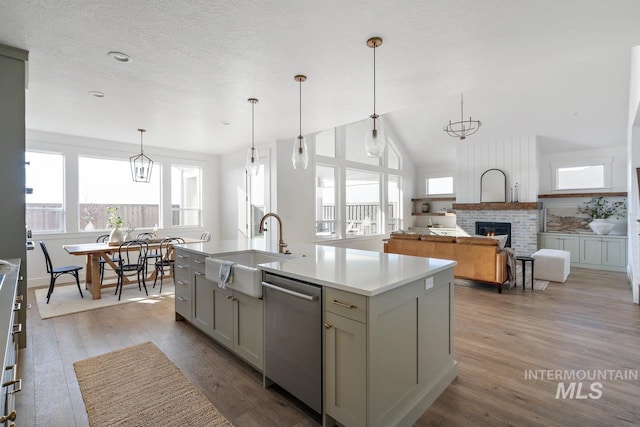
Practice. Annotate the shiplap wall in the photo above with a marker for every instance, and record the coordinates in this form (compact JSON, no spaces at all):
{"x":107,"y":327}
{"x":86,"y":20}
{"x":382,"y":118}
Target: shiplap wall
{"x":516,"y":157}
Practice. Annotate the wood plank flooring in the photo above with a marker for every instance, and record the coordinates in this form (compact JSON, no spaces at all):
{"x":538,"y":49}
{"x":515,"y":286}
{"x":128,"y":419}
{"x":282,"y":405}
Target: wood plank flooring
{"x":586,"y":323}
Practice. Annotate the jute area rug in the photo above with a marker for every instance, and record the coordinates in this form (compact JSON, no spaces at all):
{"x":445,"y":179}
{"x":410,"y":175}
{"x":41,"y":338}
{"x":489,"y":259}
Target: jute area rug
{"x":140,"y":386}
{"x":66,"y":299}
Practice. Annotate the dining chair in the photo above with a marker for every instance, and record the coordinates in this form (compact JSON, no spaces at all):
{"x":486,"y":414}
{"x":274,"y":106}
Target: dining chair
{"x":153,"y":255}
{"x":206,"y":236}
{"x":132,"y":262}
{"x":166,"y":259}
{"x":56,"y":272}
{"x":104,"y":239}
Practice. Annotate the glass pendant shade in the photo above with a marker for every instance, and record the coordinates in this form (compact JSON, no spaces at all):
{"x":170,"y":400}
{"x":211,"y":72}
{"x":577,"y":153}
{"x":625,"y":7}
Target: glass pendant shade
{"x":300,"y":155}
{"x":252,"y":166}
{"x":375,"y":140}
{"x":141,"y":165}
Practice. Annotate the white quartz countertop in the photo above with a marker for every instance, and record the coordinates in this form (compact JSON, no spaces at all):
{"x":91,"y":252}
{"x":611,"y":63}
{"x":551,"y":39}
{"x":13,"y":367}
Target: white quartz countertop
{"x":362,"y":272}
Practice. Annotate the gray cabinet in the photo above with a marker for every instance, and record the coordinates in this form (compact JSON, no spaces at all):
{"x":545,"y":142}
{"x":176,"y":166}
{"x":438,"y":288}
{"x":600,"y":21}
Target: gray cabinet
{"x":231,"y":318}
{"x":589,"y":251}
{"x":388,"y":357}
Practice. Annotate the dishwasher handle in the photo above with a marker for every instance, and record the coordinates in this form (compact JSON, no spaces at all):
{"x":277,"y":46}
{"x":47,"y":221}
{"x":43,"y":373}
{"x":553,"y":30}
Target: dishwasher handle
{"x":290,"y":292}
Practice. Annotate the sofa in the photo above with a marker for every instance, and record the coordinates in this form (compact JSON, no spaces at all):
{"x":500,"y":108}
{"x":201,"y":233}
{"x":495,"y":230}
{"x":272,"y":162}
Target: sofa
{"x":479,"y":258}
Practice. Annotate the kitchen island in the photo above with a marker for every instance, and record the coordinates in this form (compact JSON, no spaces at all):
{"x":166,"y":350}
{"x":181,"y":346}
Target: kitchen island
{"x":387,"y":348}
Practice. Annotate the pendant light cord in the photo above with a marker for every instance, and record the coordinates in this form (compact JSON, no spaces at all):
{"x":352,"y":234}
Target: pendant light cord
{"x":252,"y":130}
{"x":300,"y":116}
{"x":375,"y":46}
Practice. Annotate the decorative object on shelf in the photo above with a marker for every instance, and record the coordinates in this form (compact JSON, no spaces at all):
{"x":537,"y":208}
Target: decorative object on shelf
{"x":141,"y":165}
{"x":424,"y":208}
{"x":516,"y":193}
{"x":600,"y":209}
{"x":252,"y":164}
{"x":300,"y":156}
{"x":375,"y":141}
{"x":115,"y":222}
{"x":463,"y":128}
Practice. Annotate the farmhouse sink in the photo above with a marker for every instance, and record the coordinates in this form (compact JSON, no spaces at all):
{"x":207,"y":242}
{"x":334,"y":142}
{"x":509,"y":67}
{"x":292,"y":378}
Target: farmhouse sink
{"x":247,"y":278}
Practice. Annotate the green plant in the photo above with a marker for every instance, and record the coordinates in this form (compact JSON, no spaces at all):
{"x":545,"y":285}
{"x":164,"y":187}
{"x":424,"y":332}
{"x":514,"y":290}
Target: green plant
{"x":601,"y":208}
{"x":115,"y":220}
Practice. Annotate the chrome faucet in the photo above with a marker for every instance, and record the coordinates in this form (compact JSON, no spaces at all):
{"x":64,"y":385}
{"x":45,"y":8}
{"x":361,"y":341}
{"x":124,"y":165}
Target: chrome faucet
{"x":281,"y":243}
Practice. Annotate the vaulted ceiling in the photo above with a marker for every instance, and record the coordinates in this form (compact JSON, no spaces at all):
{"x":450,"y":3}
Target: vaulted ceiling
{"x":558,"y":69}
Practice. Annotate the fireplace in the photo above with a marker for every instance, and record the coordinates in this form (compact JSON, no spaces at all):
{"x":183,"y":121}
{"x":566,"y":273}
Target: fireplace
{"x":494,"y":229}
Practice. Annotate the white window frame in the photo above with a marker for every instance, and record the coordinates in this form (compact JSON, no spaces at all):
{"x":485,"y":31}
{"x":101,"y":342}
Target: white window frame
{"x":604,"y":161}
{"x":63,"y":210}
{"x":453,"y":185}
{"x":180,"y":210}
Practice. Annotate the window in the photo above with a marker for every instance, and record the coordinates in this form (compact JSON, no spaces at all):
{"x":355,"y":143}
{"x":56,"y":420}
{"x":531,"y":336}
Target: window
{"x":394,"y":200}
{"x":580,"y":177}
{"x":362,"y":193}
{"x":45,"y":191}
{"x":443,"y":185}
{"x":326,"y":201}
{"x":106,"y":182}
{"x":393,"y":158}
{"x":325,"y":143}
{"x":256,"y":202}
{"x":354,"y":144}
{"x":186,"y":206}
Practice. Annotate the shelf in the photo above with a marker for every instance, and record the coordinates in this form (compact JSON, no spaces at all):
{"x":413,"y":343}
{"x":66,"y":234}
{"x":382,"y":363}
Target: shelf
{"x":433,"y":214}
{"x":434,"y":199}
{"x":568,"y":195}
{"x":497,"y":206}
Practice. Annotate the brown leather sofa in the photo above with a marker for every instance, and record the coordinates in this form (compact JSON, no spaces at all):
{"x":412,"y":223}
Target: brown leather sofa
{"x":479,"y":258}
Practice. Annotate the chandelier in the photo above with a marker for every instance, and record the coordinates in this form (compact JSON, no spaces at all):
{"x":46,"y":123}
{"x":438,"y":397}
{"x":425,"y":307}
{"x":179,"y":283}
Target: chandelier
{"x":141,"y":165}
{"x":300,"y":155}
{"x":252,"y":164}
{"x":374,"y":141}
{"x":463,"y":128}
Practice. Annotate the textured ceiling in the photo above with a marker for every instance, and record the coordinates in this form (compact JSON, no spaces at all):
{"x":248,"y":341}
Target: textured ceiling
{"x":558,"y":69}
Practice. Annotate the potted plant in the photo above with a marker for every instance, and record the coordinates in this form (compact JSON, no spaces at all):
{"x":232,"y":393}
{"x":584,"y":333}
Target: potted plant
{"x":115,"y":223}
{"x":600,"y":210}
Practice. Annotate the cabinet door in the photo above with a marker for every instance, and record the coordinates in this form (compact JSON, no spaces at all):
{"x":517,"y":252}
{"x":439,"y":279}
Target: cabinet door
{"x":345,"y":370}
{"x":571,"y":244}
{"x":590,"y":250}
{"x":203,"y":302}
{"x":548,"y":242}
{"x":614,"y":252}
{"x":222,"y":328}
{"x":248,"y":329}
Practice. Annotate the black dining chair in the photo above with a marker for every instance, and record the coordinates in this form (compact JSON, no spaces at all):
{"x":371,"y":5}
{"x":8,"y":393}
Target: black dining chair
{"x":132,"y":256}
{"x":206,"y":236}
{"x":166,"y":259}
{"x":104,"y":239}
{"x":56,"y":272}
{"x":153,"y":255}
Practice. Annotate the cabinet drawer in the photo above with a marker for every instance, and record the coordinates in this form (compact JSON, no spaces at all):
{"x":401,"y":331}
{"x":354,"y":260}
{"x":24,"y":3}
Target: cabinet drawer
{"x":198,"y":263}
{"x":183,"y":306}
{"x":183,"y":257}
{"x":347,"y":304}
{"x":182,"y":272}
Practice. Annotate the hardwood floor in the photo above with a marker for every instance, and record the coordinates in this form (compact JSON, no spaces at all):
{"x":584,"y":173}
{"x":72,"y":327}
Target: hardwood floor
{"x":587,"y":323}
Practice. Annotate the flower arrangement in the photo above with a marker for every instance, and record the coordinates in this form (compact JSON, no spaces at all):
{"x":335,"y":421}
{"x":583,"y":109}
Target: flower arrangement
{"x":601,"y":208}
{"x":115,"y":220}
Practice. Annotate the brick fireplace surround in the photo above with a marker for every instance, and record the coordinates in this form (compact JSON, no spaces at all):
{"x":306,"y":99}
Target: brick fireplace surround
{"x":525,"y":219}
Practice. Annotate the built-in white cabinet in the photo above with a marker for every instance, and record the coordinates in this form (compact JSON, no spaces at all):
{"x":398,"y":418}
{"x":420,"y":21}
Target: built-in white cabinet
{"x":589,"y":251}
{"x":233,"y":319}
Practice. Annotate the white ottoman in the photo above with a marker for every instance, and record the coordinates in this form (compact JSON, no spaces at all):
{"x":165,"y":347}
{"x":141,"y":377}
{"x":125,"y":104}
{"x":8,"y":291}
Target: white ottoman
{"x":552,"y":264}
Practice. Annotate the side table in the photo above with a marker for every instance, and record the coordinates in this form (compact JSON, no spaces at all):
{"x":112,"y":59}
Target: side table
{"x":524,"y":260}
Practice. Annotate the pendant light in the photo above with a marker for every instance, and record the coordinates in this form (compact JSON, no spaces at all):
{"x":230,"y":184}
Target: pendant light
{"x":252,"y":165}
{"x":375,"y":141}
{"x":463,"y":128}
{"x":300,"y":155}
{"x":141,"y":165}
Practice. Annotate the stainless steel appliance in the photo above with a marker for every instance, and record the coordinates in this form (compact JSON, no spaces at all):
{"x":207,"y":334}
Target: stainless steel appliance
{"x":293,"y":337}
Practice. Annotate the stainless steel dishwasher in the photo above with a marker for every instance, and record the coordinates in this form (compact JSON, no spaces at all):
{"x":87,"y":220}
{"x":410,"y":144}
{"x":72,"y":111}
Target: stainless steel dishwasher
{"x":293,"y":337}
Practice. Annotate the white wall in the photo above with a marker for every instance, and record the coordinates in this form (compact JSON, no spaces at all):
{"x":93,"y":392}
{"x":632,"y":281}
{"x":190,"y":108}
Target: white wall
{"x":72,"y":146}
{"x":516,"y":157}
{"x":633,"y":162}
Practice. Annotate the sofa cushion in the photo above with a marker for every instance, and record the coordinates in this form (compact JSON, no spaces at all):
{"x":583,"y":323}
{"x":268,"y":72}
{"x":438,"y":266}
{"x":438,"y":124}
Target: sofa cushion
{"x":405,"y":236}
{"x":445,"y":239}
{"x":477,"y":241}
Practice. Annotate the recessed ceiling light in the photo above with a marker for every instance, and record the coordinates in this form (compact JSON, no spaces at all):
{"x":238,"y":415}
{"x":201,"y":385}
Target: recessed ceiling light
{"x":97,"y":93}
{"x":119,"y":56}
{"x":226,"y":122}
{"x":576,"y":114}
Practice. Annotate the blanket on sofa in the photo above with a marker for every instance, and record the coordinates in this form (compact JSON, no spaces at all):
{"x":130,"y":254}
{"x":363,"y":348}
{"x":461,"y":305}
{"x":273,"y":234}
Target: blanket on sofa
{"x":511,"y":265}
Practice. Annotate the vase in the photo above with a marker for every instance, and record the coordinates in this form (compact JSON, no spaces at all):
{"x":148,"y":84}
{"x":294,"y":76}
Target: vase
{"x":601,"y":226}
{"x":116,"y":236}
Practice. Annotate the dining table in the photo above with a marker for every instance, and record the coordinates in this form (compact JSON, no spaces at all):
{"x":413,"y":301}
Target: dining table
{"x":94,"y":252}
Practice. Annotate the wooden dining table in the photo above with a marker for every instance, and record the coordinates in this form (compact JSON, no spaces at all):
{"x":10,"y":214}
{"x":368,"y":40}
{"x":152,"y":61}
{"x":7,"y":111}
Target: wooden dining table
{"x":94,"y":252}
